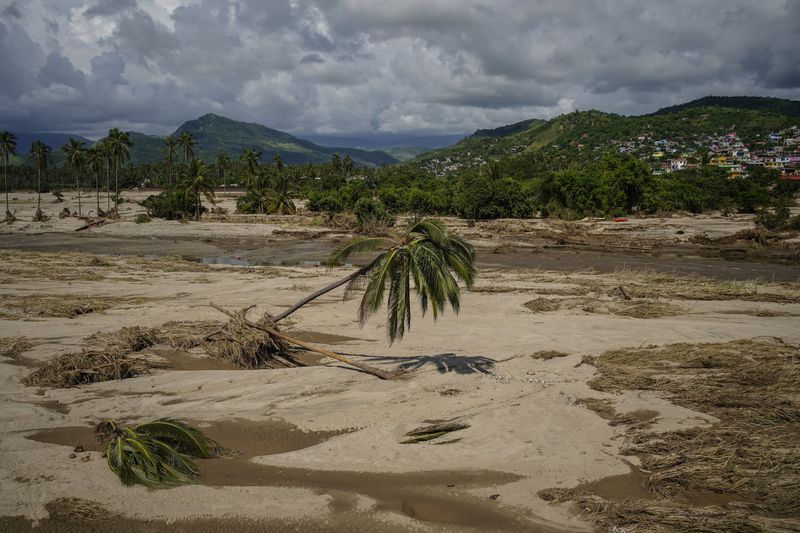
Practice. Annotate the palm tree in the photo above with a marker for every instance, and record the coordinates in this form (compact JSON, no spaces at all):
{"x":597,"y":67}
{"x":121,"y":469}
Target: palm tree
{"x":279,"y":165}
{"x":425,"y":255}
{"x":119,"y":147}
{"x":257,"y":199}
{"x":8,"y":147}
{"x":40,"y":154}
{"x":249,"y":159}
{"x":187,"y":142}
{"x":105,"y":149}
{"x":156,"y":454}
{"x":170,"y":151}
{"x":196,"y":184}
{"x":76,"y":159}
{"x":96,"y":160}
{"x":283,"y":187}
{"x":348,"y":165}
{"x":336,"y":163}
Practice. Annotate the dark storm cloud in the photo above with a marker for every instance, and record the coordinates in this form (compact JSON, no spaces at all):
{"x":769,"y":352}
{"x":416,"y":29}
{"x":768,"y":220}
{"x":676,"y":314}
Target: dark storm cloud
{"x":331,"y":66}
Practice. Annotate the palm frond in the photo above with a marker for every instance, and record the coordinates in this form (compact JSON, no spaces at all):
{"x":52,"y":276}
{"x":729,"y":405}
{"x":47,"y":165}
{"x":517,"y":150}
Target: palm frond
{"x":429,"y":228}
{"x":359,"y":244}
{"x":156,"y":454}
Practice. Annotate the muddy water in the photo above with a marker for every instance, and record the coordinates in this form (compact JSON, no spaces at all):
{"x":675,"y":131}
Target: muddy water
{"x":433,"y":498}
{"x":266,"y":251}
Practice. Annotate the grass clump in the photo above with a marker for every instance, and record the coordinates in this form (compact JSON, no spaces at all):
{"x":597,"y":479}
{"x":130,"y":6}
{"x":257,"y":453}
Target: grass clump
{"x":542,"y":305}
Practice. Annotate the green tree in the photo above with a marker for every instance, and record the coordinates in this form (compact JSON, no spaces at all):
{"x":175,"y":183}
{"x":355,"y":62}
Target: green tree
{"x":8,"y":147}
{"x":348,"y":165}
{"x":40,"y":154}
{"x":336,"y":163}
{"x":279,"y":165}
{"x":170,"y":151}
{"x":250,"y":158}
{"x":283,"y":187}
{"x":425,"y":256}
{"x":187,"y":142}
{"x":195,"y":184}
{"x":76,"y":159}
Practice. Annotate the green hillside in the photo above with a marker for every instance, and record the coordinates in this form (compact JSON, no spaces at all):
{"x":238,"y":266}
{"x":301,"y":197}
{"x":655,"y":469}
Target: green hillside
{"x":215,"y":134}
{"x":583,"y":136}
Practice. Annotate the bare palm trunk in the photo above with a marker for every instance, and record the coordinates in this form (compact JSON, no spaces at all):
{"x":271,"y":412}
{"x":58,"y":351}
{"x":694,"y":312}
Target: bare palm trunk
{"x":324,"y":290}
{"x":108,"y":188}
{"x":5,"y":180}
{"x":97,"y":190}
{"x":78,"y":188}
{"x":116,"y":185}
{"x":39,"y":189}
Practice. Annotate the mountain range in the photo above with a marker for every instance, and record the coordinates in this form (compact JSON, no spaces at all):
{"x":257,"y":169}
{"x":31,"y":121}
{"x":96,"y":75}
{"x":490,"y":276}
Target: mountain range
{"x":579,"y":136}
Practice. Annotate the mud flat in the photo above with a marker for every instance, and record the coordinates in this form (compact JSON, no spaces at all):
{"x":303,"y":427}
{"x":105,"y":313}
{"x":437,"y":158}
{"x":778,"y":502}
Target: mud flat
{"x":578,"y":400}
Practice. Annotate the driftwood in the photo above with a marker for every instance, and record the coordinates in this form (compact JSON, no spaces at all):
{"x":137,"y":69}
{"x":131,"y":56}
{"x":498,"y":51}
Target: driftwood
{"x":382,"y":374}
{"x":426,"y":433}
{"x":624,"y":293}
{"x":91,"y":223}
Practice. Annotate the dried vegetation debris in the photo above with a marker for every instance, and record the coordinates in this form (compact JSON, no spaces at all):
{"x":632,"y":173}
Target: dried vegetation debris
{"x":749,"y":460}
{"x":14,"y":346}
{"x":32,"y":306}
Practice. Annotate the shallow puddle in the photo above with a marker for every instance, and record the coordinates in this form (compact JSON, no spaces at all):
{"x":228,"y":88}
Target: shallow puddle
{"x":435,"y":497}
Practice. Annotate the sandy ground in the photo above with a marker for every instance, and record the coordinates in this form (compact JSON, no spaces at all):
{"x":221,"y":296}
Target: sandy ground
{"x":527,"y":432}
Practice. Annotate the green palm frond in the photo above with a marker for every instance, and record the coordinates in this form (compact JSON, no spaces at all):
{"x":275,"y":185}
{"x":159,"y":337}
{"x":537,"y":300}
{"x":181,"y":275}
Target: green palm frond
{"x":359,"y":244}
{"x":156,"y":454}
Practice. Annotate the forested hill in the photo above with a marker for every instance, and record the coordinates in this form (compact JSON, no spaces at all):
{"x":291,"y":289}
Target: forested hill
{"x":789,"y":108}
{"x":216,"y":134}
{"x":583,"y":136}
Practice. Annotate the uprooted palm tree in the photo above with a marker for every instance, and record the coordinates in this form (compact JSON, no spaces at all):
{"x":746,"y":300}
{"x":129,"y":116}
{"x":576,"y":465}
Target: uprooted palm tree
{"x":425,"y":256}
{"x":8,"y":147}
{"x":156,"y":454}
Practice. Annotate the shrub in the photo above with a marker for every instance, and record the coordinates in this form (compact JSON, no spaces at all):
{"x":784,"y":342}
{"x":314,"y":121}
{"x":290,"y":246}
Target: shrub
{"x":372,"y":215}
{"x":171,"y":205}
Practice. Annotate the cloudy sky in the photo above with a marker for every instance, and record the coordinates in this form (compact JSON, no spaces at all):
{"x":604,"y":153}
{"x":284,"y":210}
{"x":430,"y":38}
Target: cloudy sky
{"x":359,"y":66}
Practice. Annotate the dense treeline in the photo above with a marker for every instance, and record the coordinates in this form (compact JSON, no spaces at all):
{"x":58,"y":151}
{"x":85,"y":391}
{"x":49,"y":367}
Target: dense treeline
{"x":517,"y":187}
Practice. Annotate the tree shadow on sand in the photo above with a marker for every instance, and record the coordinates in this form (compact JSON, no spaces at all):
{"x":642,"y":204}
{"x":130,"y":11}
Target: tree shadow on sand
{"x":444,"y":362}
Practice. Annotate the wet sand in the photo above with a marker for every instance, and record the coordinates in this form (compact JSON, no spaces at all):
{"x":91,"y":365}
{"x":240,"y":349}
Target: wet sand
{"x":435,"y":497}
{"x":283,"y":252}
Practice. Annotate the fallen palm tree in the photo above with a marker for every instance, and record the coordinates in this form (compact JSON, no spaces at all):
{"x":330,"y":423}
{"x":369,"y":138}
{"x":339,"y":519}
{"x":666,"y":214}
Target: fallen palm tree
{"x":425,"y":256}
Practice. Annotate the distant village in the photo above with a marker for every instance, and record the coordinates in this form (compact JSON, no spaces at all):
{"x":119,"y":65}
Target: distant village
{"x":779,"y":151}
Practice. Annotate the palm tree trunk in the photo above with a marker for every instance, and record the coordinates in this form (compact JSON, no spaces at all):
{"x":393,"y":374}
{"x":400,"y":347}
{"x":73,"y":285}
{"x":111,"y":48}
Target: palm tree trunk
{"x":380,"y":373}
{"x":324,"y":290}
{"x":97,"y":190}
{"x":108,"y":187}
{"x":78,"y":188}
{"x":116,"y":185}
{"x":5,"y":180}
{"x":39,"y":189}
